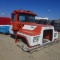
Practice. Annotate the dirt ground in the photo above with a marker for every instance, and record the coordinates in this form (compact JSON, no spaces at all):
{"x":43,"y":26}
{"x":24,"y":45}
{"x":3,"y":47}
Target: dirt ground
{"x":9,"y":51}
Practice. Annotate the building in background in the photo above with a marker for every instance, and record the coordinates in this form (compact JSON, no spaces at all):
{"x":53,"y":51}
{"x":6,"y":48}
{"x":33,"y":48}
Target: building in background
{"x":40,"y":18}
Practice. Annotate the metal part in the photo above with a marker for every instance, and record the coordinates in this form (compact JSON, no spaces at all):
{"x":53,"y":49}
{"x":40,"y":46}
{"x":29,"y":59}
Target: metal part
{"x":25,"y":48}
{"x":29,"y":35}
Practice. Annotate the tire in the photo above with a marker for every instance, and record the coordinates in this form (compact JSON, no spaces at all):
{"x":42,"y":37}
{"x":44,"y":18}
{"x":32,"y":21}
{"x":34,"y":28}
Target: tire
{"x":48,"y":22}
{"x":41,"y":22}
{"x":56,"y":28}
{"x":56,"y":24}
{"x":36,"y":21}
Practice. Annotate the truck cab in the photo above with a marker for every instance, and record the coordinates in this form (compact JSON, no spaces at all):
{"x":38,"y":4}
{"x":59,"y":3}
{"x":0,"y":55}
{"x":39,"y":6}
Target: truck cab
{"x":28,"y":34}
{"x":21,"y":17}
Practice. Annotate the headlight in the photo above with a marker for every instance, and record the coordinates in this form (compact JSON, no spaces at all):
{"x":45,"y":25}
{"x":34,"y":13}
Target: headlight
{"x":35,"y":39}
{"x":55,"y":34}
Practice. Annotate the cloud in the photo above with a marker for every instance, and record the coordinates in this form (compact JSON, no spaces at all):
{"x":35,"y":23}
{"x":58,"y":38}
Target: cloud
{"x":2,"y":13}
{"x":49,"y":10}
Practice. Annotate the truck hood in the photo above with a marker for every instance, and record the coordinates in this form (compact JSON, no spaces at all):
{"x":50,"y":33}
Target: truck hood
{"x":32,"y":29}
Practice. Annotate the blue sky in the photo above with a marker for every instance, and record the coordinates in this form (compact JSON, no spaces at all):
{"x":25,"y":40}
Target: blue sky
{"x":43,"y":8}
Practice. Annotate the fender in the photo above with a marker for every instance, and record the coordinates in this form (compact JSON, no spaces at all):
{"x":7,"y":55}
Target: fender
{"x":16,"y":40}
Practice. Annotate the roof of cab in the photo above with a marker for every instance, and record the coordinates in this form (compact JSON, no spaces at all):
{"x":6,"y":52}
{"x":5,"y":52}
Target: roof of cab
{"x":24,"y":12}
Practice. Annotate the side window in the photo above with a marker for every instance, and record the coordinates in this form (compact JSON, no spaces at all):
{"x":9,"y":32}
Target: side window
{"x":21,"y":18}
{"x":13,"y":17}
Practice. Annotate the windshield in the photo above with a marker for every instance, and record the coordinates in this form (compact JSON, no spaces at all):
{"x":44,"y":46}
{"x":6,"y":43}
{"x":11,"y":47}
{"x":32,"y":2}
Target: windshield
{"x":26,"y":18}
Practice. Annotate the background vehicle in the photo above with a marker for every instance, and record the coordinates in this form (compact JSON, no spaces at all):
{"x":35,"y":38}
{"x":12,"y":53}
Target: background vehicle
{"x":4,"y":25}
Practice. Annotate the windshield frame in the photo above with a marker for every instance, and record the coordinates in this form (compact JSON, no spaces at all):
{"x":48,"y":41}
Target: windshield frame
{"x":26,"y":16}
